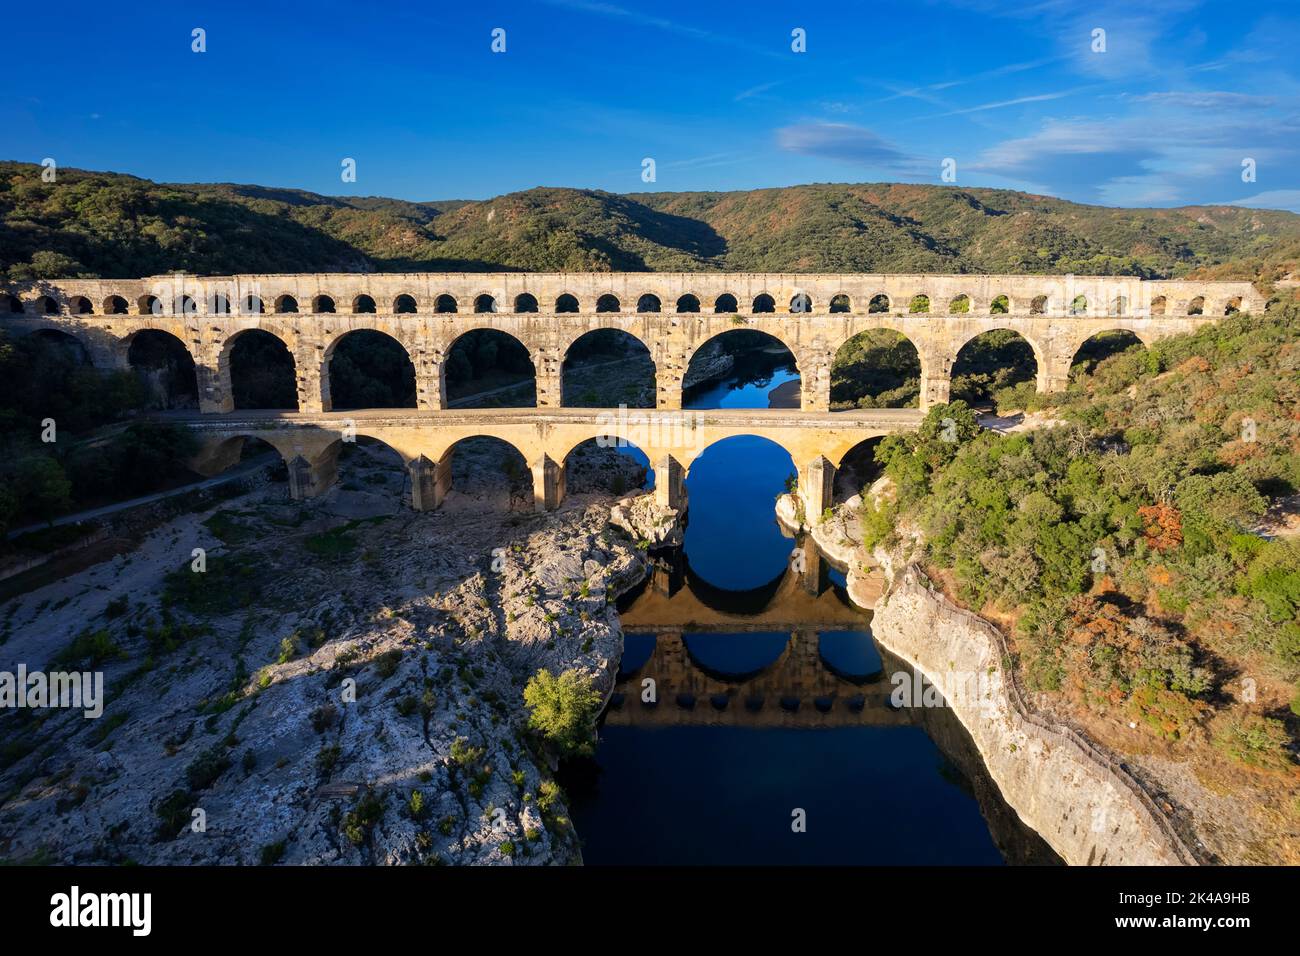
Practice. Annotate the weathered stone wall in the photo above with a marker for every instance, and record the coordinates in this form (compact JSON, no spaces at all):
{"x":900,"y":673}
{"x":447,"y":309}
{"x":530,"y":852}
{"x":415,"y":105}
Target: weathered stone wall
{"x":672,"y":314}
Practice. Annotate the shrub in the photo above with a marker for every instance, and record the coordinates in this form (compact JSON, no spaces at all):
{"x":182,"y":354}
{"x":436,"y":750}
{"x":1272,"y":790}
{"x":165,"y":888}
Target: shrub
{"x":563,"y":709}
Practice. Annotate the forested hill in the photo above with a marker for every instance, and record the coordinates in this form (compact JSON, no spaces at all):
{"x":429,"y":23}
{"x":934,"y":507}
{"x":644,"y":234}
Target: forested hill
{"x":113,"y":225}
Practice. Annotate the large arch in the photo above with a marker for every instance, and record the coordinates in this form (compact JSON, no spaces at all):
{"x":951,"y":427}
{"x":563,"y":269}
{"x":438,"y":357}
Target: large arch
{"x":165,"y":368}
{"x":755,"y":353}
{"x":992,"y":360}
{"x":483,"y":472}
{"x":68,"y":344}
{"x":605,"y":368}
{"x":606,"y":465}
{"x":1100,"y":346}
{"x":261,"y":369}
{"x":367,"y":368}
{"x":487,"y":368}
{"x":876,"y":368}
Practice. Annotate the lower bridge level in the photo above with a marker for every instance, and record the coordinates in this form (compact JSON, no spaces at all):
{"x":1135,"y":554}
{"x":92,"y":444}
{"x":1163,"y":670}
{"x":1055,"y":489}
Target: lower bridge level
{"x":426,"y":441}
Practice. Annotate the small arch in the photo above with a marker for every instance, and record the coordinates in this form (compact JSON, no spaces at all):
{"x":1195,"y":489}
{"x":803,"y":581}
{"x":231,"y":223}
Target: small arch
{"x":991,"y":361}
{"x":47,"y":305}
{"x":841,"y":304}
{"x":1038,"y":306}
{"x":1119,"y":306}
{"x":252,"y":305}
{"x":566,"y":303}
{"x":165,"y":369}
{"x":322,"y":305}
{"x":801,"y":303}
{"x":920,"y":304}
{"x":1196,"y":306}
{"x":363,"y":305}
{"x":286,"y":305}
{"x":369,"y":369}
{"x":763,"y":303}
{"x":116,"y":305}
{"x":688,"y":303}
{"x":262,"y":371}
{"x":525,"y":303}
{"x":1232,"y":306}
{"x":404,"y":304}
{"x":484,"y":304}
{"x":725,"y":303}
{"x":960,"y":305}
{"x":1079,"y":306}
{"x":488,"y":368}
{"x":486,"y":473}
{"x":79,"y":305}
{"x":877,"y":368}
{"x":148,"y":305}
{"x":647,"y":303}
{"x":444,"y":304}
{"x":1001,"y":305}
{"x":605,"y":368}
{"x":608,"y":303}
{"x":879,"y":303}
{"x":13,"y":305}
{"x":218,"y":304}
{"x":184,"y":305}
{"x":1158,"y":305}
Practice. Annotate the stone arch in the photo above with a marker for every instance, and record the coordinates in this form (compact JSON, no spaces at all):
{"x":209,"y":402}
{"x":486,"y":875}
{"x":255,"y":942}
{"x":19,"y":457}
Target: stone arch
{"x":484,"y":472}
{"x":587,"y":349}
{"x":363,"y":305}
{"x":1119,"y":305}
{"x":484,"y":304}
{"x":1158,"y":305}
{"x":165,"y":366}
{"x":606,"y":463}
{"x":993,"y":359}
{"x":1196,"y":306}
{"x":404,"y":304}
{"x":763,"y":304}
{"x":322,"y":305}
{"x":775,"y":334}
{"x":184,"y":305}
{"x":11,"y":304}
{"x":879,"y":303}
{"x":367,"y":462}
{"x":482,"y":360}
{"x":648,"y":303}
{"x":566,"y":302}
{"x":1039,"y":305}
{"x":148,"y":305}
{"x":1079,"y":305}
{"x":224,"y":453}
{"x":73,"y":344}
{"x":1097,"y":346}
{"x":445,"y":304}
{"x":79,"y":305}
{"x":525,"y":303}
{"x":920,"y":304}
{"x":876,"y":368}
{"x":252,"y":305}
{"x":960,"y":304}
{"x":801,"y":303}
{"x":856,"y":469}
{"x":218,"y":304}
{"x":1000,"y":305}
{"x":374,"y":370}
{"x":260,"y":368}
{"x":841,"y":303}
{"x":608,"y":303}
{"x":1232,"y":306}
{"x":724,"y":303}
{"x":688,"y":304}
{"x":285,"y":305}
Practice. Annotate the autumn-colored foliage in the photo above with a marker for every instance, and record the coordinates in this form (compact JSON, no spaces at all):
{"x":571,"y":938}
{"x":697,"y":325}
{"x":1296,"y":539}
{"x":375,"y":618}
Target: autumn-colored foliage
{"x":1162,"y":526}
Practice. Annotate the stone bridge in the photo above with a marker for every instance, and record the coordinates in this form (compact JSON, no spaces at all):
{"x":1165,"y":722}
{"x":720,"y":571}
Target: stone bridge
{"x":672,"y":314}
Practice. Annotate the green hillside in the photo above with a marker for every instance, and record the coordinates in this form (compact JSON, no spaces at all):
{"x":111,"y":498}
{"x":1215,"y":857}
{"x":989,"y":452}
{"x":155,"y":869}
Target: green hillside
{"x":120,"y":226}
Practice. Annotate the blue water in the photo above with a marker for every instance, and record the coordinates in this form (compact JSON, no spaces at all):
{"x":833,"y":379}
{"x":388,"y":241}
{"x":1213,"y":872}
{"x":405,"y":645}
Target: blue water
{"x":726,"y":794}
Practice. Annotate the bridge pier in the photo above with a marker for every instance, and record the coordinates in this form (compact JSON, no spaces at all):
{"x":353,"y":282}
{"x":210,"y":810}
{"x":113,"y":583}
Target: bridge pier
{"x":308,"y":479}
{"x":548,"y":365}
{"x":430,"y":482}
{"x":810,"y":576}
{"x":816,"y":487}
{"x":430,"y":386}
{"x":548,"y":483}
{"x":312,"y":382}
{"x":815,"y":381}
{"x":670,"y":484}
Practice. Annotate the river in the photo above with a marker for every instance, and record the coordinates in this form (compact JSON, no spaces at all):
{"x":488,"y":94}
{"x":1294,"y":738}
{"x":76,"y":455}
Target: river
{"x":771,"y":739}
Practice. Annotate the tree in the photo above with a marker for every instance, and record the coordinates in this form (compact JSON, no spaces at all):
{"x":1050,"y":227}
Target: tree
{"x":563,"y":709}
{"x":42,"y":487}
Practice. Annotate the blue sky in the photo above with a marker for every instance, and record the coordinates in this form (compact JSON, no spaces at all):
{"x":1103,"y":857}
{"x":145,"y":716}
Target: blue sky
{"x":587,"y":89}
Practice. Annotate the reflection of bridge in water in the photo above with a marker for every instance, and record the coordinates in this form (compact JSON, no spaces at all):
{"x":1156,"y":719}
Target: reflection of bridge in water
{"x":797,"y":689}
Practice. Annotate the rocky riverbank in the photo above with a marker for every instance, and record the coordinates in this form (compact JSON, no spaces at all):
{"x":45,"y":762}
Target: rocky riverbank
{"x":1079,"y":799}
{"x":340,"y":684}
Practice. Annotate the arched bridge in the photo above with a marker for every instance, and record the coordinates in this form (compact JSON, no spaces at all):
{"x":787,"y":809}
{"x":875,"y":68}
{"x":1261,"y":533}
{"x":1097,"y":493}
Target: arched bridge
{"x":672,"y":314}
